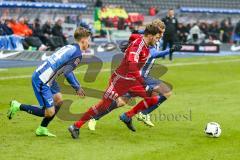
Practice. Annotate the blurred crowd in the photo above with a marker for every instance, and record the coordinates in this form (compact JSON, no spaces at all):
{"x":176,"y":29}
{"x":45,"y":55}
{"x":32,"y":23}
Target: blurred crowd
{"x":110,"y":15}
{"x":204,"y":32}
{"x":49,"y":35}
{"x":36,"y":36}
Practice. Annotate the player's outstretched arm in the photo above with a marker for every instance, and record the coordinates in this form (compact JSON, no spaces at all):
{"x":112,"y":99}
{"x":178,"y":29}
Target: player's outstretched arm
{"x":157,"y":54}
{"x":72,"y":80}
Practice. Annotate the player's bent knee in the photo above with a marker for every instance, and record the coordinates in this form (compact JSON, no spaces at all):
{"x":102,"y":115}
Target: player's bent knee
{"x":58,"y":101}
{"x":49,"y":112}
{"x":156,"y":89}
{"x":168,"y":94}
{"x":164,"y":89}
{"x":48,"y":115}
{"x":155,"y":93}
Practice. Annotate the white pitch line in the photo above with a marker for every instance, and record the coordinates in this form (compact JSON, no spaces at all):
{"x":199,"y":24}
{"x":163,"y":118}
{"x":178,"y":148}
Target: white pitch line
{"x":108,"y":70}
{"x":15,"y":77}
{"x":199,"y":63}
{"x":3,"y":69}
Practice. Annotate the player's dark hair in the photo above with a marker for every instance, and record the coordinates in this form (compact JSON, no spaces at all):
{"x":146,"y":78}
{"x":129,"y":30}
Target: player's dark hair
{"x":151,"y":30}
{"x":80,"y":33}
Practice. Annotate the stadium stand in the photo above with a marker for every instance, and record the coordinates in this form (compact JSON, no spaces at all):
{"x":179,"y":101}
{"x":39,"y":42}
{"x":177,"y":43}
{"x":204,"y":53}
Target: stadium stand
{"x":143,"y":6}
{"x":213,"y":27}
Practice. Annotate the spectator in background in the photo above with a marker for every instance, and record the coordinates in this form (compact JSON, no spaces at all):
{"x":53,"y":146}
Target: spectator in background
{"x":97,"y":9}
{"x":182,"y":33}
{"x":20,"y":28}
{"x":98,"y":4}
{"x":195,"y":35}
{"x":81,"y":23}
{"x":4,"y":28}
{"x":69,"y":19}
{"x":38,"y":32}
{"x":204,"y":28}
{"x":2,"y":32}
{"x":170,"y":35}
{"x":51,"y":40}
{"x":104,"y":16}
{"x":110,"y":16}
{"x":214,"y":30}
{"x":113,"y":16}
{"x":122,"y":16}
{"x":225,"y":31}
{"x":236,"y":34}
{"x":57,"y":31}
{"x":237,"y":29}
{"x":47,"y":28}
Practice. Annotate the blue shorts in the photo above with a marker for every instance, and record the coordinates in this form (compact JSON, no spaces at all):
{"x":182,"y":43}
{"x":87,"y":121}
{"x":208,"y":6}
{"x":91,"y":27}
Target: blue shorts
{"x":43,"y":92}
{"x":55,"y":87}
{"x":151,"y":82}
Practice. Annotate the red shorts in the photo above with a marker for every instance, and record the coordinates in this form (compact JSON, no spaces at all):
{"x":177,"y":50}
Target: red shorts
{"x":118,"y":86}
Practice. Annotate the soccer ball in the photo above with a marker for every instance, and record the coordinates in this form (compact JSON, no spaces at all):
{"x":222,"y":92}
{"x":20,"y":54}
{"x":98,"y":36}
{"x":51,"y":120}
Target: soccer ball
{"x":213,"y":129}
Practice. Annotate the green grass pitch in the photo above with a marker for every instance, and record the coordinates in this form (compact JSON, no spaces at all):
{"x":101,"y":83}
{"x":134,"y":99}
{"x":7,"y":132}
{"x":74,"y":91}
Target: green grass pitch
{"x":205,"y":89}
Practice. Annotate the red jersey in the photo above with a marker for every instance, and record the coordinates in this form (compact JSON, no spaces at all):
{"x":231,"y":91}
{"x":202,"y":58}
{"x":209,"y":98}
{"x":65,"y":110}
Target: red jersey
{"x":134,"y":59}
{"x":133,"y":37}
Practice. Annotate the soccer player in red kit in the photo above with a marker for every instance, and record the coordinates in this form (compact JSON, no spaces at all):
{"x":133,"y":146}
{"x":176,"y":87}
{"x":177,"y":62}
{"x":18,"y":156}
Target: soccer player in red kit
{"x":125,"y":79}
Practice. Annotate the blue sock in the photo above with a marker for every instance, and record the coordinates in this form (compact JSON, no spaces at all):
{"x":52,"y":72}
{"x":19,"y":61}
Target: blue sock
{"x":152,"y":108}
{"x":124,"y":117}
{"x":110,"y":108}
{"x":32,"y":110}
{"x":46,"y":120}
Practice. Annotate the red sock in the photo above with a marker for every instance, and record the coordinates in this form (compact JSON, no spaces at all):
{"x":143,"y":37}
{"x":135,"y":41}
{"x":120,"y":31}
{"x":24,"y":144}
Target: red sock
{"x":86,"y":116}
{"x":142,"y":105}
{"x":93,"y":111}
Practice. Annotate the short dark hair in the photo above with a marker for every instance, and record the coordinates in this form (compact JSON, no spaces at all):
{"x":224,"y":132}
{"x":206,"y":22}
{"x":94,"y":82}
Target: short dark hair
{"x":151,"y":30}
{"x":80,"y":33}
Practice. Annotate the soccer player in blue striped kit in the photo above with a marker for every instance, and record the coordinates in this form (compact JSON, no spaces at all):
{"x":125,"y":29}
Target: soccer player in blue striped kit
{"x":44,"y":84}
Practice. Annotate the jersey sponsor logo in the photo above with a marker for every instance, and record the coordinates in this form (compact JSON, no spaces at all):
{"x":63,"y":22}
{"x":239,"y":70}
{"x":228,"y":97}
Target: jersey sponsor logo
{"x":5,"y":55}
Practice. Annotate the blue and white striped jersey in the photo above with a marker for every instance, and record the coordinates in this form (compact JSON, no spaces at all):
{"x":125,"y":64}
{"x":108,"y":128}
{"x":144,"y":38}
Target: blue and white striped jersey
{"x":63,"y":61}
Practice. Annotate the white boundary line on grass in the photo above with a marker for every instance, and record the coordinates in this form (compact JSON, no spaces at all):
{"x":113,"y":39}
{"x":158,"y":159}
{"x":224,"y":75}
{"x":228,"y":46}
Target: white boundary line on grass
{"x":206,"y":62}
{"x":107,"y":70}
{"x":3,"y":69}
